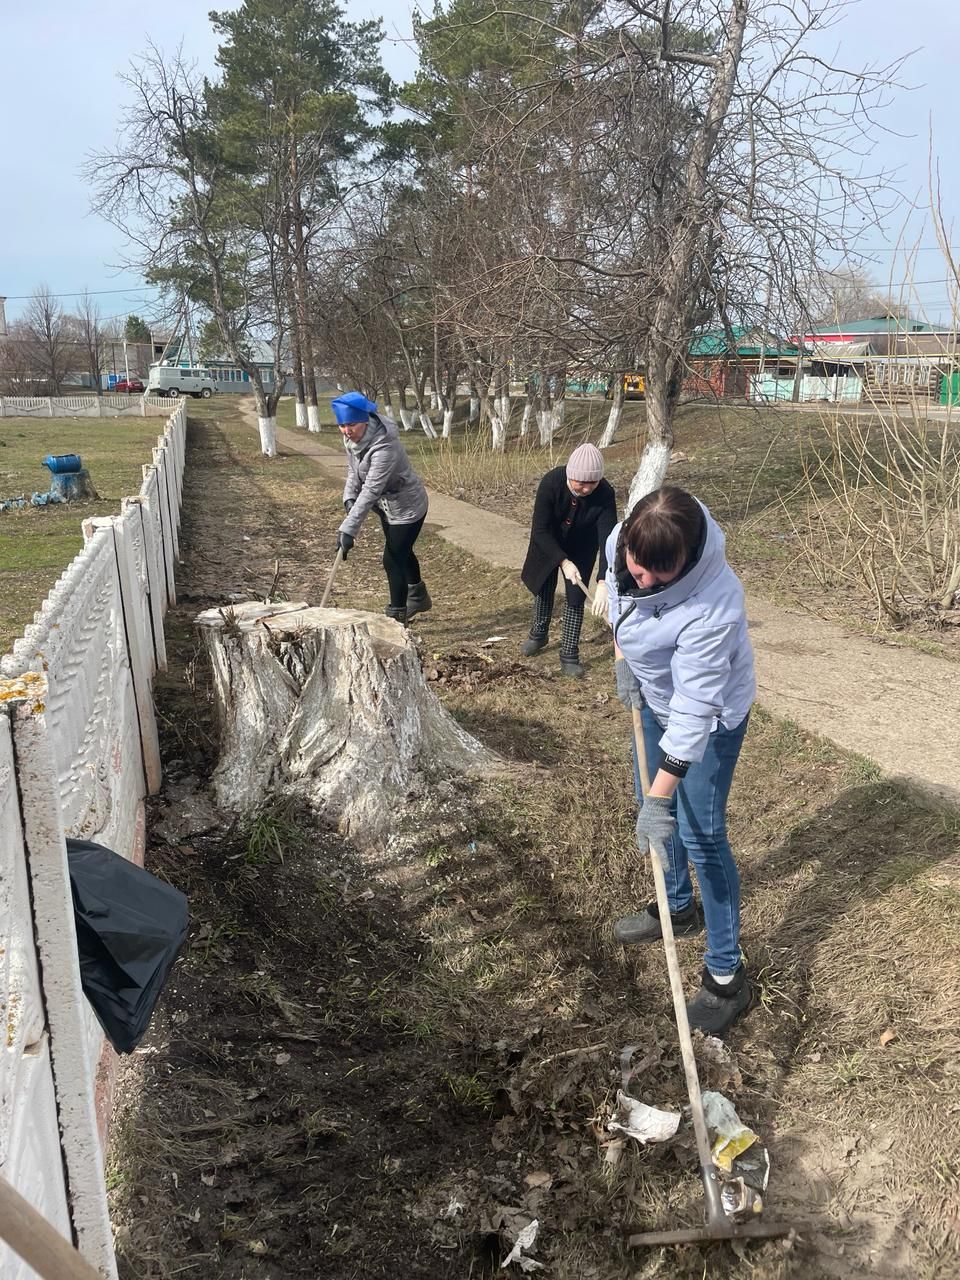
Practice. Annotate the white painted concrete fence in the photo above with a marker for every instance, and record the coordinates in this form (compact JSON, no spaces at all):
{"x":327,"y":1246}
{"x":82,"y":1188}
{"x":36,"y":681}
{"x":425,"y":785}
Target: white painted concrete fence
{"x":78,"y":754}
{"x":108,"y":406}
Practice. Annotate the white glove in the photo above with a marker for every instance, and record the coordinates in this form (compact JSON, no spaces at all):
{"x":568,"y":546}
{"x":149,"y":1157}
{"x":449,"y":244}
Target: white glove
{"x":570,"y":571}
{"x":600,"y":596}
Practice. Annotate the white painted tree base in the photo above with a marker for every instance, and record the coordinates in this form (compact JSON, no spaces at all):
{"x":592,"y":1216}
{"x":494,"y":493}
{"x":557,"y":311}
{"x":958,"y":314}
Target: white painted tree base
{"x":474,"y":408}
{"x":428,"y":428}
{"x":313,"y":418}
{"x":447,"y":423}
{"x":613,"y":425}
{"x":498,"y":432}
{"x":331,"y":705}
{"x":301,"y":411}
{"x":545,"y":425}
{"x":651,"y":472}
{"x":268,"y":436}
{"x":525,"y":420}
{"x":406,"y":418}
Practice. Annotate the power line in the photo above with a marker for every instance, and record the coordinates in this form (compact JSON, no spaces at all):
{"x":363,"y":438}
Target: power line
{"x":94,"y":293}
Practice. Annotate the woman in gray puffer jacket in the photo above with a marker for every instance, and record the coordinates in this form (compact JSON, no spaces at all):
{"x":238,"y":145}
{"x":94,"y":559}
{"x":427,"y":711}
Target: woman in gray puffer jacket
{"x":683,"y":656}
{"x":380,"y":478}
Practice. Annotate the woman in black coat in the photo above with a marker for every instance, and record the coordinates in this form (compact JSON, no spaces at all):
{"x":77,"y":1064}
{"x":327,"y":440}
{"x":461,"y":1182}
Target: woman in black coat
{"x":573,"y":515}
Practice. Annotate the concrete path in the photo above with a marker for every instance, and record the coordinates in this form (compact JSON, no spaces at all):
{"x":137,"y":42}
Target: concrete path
{"x":898,"y":707}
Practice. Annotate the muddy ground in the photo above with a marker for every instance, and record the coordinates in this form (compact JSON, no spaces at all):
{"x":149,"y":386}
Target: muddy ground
{"x":387,"y":1064}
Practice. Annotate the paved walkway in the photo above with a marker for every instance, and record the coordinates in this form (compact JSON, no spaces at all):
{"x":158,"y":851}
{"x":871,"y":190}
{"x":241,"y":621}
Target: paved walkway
{"x":898,"y":707}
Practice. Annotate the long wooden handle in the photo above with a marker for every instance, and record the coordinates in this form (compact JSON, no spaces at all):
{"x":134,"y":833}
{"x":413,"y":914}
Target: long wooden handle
{"x":39,"y":1244}
{"x":710,"y":1183}
{"x":338,"y":560}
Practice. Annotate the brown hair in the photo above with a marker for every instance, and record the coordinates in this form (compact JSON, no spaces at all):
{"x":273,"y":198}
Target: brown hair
{"x":664,"y":529}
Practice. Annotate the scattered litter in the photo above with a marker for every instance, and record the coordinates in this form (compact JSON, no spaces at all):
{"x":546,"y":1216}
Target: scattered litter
{"x":739,"y":1201}
{"x":525,"y":1240}
{"x":722,"y":1065}
{"x":282,"y":1059}
{"x":258,"y":1248}
{"x":453,"y":1208}
{"x":646,"y":1124}
{"x":494,"y":639}
{"x":729,"y":1134}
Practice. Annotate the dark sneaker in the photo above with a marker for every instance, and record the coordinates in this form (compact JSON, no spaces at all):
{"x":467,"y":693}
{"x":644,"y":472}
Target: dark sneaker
{"x":398,"y":615}
{"x":418,"y":599}
{"x":532,"y":645}
{"x":717,"y":1005}
{"x":571,"y":667}
{"x":646,"y":927}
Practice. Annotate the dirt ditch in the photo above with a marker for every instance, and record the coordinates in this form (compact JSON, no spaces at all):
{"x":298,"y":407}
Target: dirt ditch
{"x":380,"y":1065}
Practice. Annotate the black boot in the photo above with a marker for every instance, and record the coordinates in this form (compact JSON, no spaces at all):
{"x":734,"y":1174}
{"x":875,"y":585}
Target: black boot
{"x":532,"y":645}
{"x":418,"y":599}
{"x":570,"y":666}
{"x":398,"y":615}
{"x":717,"y":1005}
{"x":646,"y":927}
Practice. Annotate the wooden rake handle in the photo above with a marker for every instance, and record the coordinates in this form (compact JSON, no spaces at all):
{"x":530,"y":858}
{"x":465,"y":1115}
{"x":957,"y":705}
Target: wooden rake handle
{"x":39,"y":1244}
{"x":711,"y":1183}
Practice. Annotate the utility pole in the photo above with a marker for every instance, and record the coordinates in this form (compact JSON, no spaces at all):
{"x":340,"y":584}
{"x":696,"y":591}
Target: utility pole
{"x":126,"y":362}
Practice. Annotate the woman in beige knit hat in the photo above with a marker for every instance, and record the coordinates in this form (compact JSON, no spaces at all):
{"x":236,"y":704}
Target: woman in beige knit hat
{"x":573,"y":515}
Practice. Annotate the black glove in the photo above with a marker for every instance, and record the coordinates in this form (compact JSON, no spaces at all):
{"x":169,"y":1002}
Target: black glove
{"x":628,"y":686}
{"x":344,"y":543}
{"x":348,"y":503}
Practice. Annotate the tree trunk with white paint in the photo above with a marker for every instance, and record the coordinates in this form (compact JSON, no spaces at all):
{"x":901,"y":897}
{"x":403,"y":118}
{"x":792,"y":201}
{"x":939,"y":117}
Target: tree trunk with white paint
{"x":545,"y":425}
{"x":268,"y":436}
{"x":615,"y":414}
{"x":406,"y":419}
{"x":313,"y":418}
{"x":525,"y":420}
{"x":474,"y":408}
{"x":447,"y":423}
{"x":428,"y":427}
{"x":660,"y":395}
{"x":330,"y":705}
{"x":498,"y":429}
{"x":300,"y":409}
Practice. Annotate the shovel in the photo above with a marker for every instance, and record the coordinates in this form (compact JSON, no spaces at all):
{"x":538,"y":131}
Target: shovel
{"x":338,"y":560}
{"x":718,"y":1226}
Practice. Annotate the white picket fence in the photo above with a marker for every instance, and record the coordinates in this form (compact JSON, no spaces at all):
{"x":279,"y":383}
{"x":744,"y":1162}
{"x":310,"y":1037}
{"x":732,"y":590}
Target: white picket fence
{"x":78,"y":754}
{"x":108,"y":406}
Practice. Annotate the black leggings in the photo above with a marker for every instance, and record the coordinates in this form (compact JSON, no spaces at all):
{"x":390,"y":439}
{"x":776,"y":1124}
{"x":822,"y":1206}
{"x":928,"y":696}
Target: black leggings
{"x":401,"y":565}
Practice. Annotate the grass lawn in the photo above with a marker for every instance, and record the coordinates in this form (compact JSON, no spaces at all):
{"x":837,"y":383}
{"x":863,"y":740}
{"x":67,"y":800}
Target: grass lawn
{"x":37,"y":543}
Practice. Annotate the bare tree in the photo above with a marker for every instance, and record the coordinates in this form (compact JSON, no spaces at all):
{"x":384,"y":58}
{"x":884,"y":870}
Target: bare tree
{"x":90,"y":335}
{"x":196,"y":225}
{"x":849,"y":293}
{"x":51,"y":339}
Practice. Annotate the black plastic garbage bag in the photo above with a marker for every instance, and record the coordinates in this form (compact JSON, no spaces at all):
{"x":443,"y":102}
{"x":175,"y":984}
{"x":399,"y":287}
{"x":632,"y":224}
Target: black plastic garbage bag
{"x":130,"y":927}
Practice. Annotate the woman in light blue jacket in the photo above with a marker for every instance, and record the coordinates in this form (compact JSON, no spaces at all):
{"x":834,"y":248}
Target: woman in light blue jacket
{"x":683,"y":655}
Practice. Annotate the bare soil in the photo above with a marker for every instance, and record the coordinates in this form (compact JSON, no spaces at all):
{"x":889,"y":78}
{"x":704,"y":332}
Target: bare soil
{"x":387,"y":1064}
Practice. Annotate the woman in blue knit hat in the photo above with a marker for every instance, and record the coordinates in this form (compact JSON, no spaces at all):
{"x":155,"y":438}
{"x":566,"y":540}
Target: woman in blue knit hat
{"x":380,"y":478}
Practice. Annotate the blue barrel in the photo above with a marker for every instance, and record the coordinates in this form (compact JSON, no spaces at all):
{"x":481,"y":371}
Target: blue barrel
{"x":62,"y":464}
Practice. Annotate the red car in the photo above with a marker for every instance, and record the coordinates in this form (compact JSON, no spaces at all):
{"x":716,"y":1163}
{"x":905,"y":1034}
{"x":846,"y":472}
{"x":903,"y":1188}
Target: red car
{"x":132,"y":385}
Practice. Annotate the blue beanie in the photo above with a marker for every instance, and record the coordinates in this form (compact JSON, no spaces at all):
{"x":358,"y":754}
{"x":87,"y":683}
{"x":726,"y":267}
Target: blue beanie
{"x":352,"y":407}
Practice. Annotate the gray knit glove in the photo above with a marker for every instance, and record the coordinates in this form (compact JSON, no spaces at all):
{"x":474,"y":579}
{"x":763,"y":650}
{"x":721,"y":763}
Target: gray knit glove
{"x":655,"y":826}
{"x":628,"y":686}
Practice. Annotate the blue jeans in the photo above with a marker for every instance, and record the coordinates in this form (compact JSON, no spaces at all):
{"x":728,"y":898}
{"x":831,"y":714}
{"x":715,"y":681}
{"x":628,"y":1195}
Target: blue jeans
{"x":700,"y":807}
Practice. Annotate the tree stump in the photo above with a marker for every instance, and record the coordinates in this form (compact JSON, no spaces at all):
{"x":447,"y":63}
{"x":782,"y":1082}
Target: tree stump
{"x":329,"y":704}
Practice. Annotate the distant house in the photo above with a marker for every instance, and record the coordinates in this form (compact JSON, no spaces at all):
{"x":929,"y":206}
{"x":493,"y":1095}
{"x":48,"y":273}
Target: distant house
{"x":721,"y":362}
{"x":897,"y":356}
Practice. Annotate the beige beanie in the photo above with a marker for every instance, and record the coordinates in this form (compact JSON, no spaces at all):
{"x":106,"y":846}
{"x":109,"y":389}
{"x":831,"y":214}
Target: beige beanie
{"x":585,"y":463}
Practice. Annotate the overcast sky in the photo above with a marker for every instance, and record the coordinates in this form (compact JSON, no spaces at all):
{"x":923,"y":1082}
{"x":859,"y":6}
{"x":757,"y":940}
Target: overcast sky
{"x":60,"y":96}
